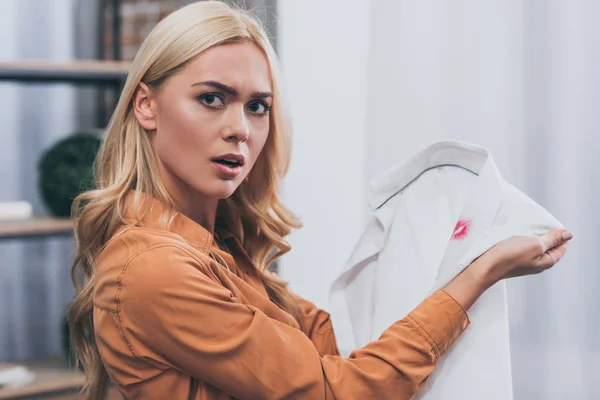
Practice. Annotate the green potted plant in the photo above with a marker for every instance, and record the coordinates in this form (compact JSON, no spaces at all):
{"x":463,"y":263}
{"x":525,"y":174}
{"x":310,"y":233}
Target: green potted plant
{"x":66,"y":169}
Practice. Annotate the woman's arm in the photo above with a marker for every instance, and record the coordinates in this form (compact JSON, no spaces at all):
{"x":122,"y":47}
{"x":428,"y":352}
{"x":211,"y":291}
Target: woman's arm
{"x":316,"y":324}
{"x":174,"y":316}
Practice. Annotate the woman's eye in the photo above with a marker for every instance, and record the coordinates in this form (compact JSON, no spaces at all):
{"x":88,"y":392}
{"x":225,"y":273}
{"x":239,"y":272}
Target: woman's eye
{"x":212,"y":100}
{"x":259,"y":107}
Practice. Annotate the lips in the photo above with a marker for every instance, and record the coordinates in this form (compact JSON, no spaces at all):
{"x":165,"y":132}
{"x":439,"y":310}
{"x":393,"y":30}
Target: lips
{"x":229,"y":166}
{"x":230,"y":160}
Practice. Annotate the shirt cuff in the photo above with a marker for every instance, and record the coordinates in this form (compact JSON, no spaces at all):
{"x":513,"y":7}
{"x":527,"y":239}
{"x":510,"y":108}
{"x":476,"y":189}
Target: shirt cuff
{"x":440,"y":319}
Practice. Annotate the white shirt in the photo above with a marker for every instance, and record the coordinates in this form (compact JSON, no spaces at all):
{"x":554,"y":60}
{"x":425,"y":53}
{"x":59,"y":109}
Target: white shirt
{"x":432,"y":216}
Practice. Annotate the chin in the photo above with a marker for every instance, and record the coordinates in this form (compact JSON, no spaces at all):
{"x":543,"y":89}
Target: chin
{"x":220,"y":190}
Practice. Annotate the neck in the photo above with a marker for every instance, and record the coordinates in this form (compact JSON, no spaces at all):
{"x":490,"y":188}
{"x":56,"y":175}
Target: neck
{"x":198,"y":208}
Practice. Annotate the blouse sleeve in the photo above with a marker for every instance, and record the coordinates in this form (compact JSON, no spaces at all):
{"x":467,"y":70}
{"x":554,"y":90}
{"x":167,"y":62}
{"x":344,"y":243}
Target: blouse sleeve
{"x":175,"y":316}
{"x":316,"y":324}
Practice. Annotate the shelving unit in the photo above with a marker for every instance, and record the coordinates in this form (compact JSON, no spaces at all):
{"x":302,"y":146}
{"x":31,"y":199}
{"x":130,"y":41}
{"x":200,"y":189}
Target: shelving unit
{"x":36,"y":227}
{"x":96,"y":72}
{"x":54,"y":378}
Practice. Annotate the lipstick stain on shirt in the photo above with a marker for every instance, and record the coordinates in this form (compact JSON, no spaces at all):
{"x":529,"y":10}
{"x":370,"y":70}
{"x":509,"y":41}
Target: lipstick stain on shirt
{"x":462,"y":228}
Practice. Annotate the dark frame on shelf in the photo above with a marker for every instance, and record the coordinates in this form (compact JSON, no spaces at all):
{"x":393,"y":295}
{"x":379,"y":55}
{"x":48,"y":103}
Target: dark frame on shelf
{"x":111,"y":73}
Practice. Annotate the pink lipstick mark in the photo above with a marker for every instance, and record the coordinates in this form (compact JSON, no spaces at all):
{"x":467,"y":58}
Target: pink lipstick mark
{"x":461,"y":230}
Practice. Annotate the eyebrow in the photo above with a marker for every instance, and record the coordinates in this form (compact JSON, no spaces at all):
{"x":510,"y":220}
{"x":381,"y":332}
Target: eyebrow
{"x":231,"y":91}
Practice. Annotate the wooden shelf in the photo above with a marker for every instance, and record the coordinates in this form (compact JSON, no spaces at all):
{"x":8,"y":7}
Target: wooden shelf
{"x":54,"y":380}
{"x":53,"y":376}
{"x":85,"y":71}
{"x":36,"y":227}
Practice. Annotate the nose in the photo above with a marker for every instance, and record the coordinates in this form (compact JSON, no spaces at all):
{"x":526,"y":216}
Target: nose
{"x":238,"y":127}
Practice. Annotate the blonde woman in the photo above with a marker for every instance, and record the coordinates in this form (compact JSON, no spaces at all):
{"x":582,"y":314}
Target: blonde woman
{"x":174,"y":298}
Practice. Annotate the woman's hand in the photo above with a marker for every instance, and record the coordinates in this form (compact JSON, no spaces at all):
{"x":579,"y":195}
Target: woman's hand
{"x":525,"y":255}
{"x":515,"y":256}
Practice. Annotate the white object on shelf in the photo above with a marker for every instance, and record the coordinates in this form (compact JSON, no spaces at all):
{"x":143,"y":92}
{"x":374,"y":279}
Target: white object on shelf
{"x":15,"y":210}
{"x":15,"y":375}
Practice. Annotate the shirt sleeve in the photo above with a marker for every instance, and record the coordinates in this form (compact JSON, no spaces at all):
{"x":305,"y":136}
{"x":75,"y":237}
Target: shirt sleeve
{"x":317,"y":326}
{"x":174,"y":316}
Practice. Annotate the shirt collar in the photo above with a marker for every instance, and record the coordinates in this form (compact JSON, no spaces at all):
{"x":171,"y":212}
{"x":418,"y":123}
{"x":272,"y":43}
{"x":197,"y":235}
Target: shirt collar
{"x":155,"y":214}
{"x":442,"y":153}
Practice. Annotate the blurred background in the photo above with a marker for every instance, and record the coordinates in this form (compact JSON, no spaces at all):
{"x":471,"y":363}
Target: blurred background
{"x":369,"y":84}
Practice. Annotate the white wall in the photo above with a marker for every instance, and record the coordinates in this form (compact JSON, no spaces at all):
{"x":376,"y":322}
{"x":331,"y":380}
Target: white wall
{"x":323,"y":51}
{"x":432,"y":77}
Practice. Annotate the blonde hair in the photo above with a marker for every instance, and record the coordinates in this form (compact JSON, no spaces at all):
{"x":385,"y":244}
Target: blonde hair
{"x":254,"y":213}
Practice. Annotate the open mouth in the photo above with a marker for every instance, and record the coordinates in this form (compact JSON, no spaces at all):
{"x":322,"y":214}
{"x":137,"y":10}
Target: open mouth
{"x":231,"y":160}
{"x":228,"y":163}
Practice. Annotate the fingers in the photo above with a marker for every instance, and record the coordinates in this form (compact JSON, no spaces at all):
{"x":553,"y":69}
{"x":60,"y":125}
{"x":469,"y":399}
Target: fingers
{"x":554,"y":239}
{"x":553,"y":256}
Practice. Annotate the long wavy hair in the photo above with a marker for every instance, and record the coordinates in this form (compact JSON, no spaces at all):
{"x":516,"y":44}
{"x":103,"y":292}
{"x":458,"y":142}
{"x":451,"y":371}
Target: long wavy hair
{"x":254,"y":213}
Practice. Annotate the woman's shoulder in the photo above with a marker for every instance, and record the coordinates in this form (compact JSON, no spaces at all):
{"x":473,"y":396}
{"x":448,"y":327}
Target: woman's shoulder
{"x":146,"y":243}
{"x":135,"y":252}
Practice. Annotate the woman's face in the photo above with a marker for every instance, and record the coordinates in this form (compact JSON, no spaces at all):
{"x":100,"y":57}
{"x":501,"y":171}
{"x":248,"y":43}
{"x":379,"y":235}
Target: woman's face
{"x":210,"y":120}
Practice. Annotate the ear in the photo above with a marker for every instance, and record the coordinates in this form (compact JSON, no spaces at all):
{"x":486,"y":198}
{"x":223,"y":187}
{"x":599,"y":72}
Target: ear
{"x":143,"y":107}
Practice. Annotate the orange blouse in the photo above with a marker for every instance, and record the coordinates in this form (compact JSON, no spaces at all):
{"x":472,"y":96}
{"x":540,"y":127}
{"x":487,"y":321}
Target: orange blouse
{"x":169,"y":319}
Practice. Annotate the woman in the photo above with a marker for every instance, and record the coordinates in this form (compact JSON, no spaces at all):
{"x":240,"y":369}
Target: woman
{"x":175,"y":241}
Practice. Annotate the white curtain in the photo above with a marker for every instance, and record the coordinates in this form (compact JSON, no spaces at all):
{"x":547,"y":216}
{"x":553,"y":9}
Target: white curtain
{"x":518,"y":77}
{"x":34,"y":274}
